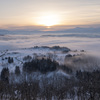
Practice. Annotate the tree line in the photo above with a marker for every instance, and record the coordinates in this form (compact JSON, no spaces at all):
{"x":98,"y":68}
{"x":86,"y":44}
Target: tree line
{"x":83,"y":85}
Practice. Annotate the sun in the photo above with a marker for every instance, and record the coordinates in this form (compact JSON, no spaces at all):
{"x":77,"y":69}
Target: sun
{"x":48,"y":20}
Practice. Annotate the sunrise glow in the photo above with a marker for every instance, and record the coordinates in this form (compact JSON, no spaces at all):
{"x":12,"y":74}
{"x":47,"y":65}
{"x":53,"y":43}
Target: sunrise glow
{"x":48,"y":20}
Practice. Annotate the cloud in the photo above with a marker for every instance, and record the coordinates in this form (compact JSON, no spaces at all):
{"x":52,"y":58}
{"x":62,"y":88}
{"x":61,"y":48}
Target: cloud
{"x":29,"y":40}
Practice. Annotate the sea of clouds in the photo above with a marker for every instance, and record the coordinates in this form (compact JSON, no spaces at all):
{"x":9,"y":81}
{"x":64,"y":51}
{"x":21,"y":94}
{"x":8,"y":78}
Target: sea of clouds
{"x":87,"y":41}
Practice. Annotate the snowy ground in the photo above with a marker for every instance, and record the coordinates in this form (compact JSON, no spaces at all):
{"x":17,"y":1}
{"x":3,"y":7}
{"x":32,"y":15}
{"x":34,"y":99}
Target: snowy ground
{"x":40,"y":52}
{"x":13,"y":45}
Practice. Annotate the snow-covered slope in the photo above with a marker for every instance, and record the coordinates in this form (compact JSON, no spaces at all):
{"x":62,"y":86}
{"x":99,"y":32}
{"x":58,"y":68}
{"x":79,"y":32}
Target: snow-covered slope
{"x":22,"y":55}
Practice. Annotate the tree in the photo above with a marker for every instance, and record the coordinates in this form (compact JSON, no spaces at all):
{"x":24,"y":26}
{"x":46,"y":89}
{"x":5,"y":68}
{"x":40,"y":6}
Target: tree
{"x":5,"y":75}
{"x":17,"y":70}
{"x":42,"y":65}
{"x":10,"y":60}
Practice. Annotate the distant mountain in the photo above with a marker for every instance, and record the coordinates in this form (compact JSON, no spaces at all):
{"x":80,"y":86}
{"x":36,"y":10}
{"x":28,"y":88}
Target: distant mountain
{"x":2,"y":31}
{"x":73,"y":30}
{"x":78,"y":29}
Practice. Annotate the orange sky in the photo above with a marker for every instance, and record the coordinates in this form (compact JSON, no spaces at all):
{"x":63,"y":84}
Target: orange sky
{"x":49,"y":12}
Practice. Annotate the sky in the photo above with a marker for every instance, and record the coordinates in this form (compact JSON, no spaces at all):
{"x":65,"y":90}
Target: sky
{"x":43,"y":14}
